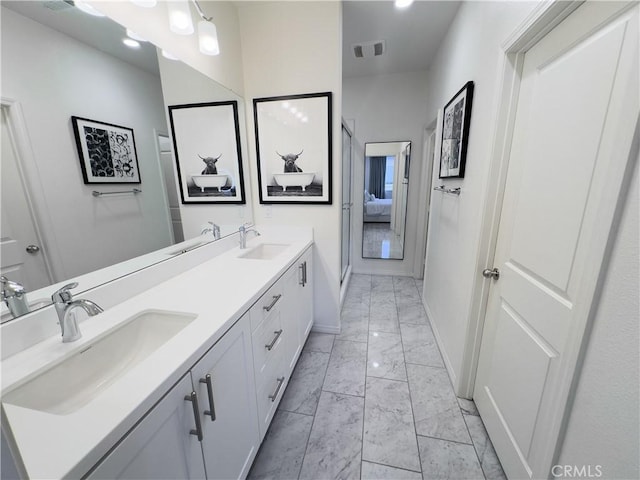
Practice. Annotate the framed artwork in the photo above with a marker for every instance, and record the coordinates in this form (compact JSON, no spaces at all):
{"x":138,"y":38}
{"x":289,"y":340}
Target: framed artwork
{"x":107,"y":152}
{"x":293,"y":145}
{"x":455,"y":133}
{"x":206,"y":145}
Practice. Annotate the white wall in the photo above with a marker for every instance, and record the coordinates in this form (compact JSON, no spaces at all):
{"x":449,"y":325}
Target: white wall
{"x":153,"y":24}
{"x":470,"y":51}
{"x":386,"y":108}
{"x":604,"y":422}
{"x":295,"y":48}
{"x":83,"y":233}
{"x":183,"y":85}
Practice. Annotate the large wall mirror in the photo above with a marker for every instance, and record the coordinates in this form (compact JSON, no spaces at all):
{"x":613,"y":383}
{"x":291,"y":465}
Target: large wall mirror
{"x":386,"y":183}
{"x":58,"y":62}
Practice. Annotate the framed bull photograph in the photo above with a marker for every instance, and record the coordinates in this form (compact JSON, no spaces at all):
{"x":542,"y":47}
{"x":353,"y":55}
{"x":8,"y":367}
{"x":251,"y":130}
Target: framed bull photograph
{"x":293,"y":145}
{"x":206,"y":146}
{"x":107,"y":152}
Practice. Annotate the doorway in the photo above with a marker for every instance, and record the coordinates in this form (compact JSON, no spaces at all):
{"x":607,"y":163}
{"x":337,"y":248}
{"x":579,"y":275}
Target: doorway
{"x":347,"y":204}
{"x":560,"y":195}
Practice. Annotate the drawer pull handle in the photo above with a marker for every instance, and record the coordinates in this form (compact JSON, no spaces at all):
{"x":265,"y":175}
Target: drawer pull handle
{"x":193,"y":398}
{"x":269,"y":346}
{"x":274,"y":395}
{"x":304,"y":273}
{"x":212,"y":406}
{"x":301,"y":267}
{"x":273,"y":302}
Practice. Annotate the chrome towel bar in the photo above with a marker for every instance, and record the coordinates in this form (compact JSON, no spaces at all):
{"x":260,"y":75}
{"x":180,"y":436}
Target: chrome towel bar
{"x":135,"y":191}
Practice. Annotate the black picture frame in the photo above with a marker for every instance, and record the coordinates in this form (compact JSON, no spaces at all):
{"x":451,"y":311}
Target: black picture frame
{"x":107,"y":152}
{"x":207,"y":151}
{"x":456,"y":119}
{"x":294,"y":148}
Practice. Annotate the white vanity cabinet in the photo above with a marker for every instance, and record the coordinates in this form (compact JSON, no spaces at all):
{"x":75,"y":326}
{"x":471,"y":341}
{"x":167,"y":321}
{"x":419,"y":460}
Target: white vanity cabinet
{"x":206,"y":423}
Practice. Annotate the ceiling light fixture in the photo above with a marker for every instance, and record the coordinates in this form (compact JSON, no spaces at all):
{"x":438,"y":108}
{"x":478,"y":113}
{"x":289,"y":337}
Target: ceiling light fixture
{"x":180,"y":22}
{"x":403,"y":3}
{"x":168,"y":56}
{"x":131,"y":43}
{"x":86,"y":8}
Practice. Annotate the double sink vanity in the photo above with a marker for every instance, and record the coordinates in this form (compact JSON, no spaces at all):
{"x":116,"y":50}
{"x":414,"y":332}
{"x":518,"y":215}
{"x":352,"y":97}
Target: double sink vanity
{"x":180,"y":380}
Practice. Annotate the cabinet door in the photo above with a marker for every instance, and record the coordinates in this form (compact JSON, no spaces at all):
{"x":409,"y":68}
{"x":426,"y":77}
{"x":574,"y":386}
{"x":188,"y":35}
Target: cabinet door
{"x":228,"y":404}
{"x":160,"y":446}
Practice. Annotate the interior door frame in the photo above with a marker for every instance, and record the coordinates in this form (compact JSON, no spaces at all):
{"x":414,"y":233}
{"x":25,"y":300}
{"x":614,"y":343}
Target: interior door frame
{"x":424,"y":198}
{"x":347,"y":276}
{"x":31,"y":182}
{"x":542,"y":19}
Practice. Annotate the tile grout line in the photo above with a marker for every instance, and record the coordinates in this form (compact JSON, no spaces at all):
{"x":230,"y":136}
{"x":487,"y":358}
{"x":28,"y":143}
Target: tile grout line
{"x":391,"y":466}
{"x":415,"y":427}
{"x":366,"y":369}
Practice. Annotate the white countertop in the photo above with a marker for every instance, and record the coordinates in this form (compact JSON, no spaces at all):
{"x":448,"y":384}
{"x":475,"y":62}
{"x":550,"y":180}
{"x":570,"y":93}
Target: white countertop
{"x":219,"y":292}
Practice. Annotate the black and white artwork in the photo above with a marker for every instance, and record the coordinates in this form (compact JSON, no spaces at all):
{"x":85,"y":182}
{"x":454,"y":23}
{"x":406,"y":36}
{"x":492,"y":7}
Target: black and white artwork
{"x":455,"y":133}
{"x":293,"y":144}
{"x":107,"y":152}
{"x":206,"y":143}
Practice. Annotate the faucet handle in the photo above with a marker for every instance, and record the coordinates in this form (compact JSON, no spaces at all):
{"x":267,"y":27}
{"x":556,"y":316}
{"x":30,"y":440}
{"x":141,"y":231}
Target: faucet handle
{"x":64,"y":295}
{"x":11,"y":288}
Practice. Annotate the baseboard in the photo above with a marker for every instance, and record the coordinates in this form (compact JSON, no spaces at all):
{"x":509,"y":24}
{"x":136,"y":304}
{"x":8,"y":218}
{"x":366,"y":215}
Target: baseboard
{"x":445,"y":357}
{"x":325,"y":329}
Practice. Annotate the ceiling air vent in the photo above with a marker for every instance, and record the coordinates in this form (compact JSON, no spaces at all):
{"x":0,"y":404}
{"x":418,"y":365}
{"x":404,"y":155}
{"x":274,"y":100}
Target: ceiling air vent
{"x":369,"y":49}
{"x":58,"y":5}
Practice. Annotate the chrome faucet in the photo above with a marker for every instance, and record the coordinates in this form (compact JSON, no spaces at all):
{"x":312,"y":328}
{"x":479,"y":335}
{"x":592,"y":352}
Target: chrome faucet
{"x":15,"y":296}
{"x":244,"y":232}
{"x":214,"y":229}
{"x":65,"y":306}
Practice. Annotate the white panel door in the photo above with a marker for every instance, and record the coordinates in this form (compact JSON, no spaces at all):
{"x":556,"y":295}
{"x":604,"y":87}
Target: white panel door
{"x":577,"y":109}
{"x":22,"y":254}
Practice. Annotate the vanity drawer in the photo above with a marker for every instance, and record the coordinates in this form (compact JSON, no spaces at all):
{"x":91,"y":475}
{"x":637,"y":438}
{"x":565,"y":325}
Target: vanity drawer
{"x":268,"y":340}
{"x":269,"y":390}
{"x":268,"y":304}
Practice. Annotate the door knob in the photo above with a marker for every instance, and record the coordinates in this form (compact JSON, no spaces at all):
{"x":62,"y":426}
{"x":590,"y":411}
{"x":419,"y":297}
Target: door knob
{"x":487,"y":273}
{"x":33,"y":249}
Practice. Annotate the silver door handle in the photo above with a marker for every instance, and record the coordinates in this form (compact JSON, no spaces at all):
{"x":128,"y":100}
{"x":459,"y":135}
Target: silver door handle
{"x":274,"y":395}
{"x":212,"y":406}
{"x":269,"y":346}
{"x":273,"y":302}
{"x":488,"y":273}
{"x":33,"y":249}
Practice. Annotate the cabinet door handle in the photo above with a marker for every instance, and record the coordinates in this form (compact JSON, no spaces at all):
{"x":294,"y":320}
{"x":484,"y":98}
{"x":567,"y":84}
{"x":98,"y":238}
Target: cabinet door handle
{"x":301,"y":267}
{"x":304,"y":273}
{"x":269,"y":346}
{"x":274,"y":395}
{"x":193,"y":398}
{"x":273,"y":302}
{"x":212,"y":406}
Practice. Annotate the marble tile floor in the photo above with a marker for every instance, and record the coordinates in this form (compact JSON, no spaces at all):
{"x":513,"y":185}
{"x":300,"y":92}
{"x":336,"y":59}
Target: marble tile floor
{"x":379,"y":241}
{"x":375,"y":402}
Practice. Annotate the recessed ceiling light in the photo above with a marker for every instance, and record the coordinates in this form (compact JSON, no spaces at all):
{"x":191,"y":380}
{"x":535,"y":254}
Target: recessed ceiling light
{"x":88,"y":9}
{"x":131,"y":43}
{"x":168,"y":56}
{"x":403,"y":3}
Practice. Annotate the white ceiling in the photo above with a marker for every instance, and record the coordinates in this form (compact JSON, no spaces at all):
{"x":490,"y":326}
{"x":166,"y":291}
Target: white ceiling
{"x":98,"y":32}
{"x":412,"y":35}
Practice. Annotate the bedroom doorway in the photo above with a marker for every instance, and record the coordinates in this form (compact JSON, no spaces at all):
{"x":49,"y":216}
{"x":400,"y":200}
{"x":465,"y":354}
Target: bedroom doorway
{"x":386,"y":182}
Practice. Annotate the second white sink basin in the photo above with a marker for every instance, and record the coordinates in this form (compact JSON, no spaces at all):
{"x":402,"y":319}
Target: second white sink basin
{"x":265,"y":251}
{"x":80,"y":378}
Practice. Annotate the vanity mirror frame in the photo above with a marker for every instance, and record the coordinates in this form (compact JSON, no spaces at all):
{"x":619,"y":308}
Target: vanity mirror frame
{"x":36,"y":197}
{"x":384,"y":209}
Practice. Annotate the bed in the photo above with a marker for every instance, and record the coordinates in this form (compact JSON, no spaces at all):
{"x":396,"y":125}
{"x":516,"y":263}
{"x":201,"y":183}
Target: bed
{"x":377,"y":209}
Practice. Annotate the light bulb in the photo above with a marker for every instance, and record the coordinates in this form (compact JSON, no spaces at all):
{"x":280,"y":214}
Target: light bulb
{"x":208,"y":38}
{"x":180,"y":17}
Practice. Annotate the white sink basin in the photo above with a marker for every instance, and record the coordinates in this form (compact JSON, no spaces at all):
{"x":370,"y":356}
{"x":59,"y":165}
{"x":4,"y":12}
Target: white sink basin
{"x":80,"y":378}
{"x":265,"y":251}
